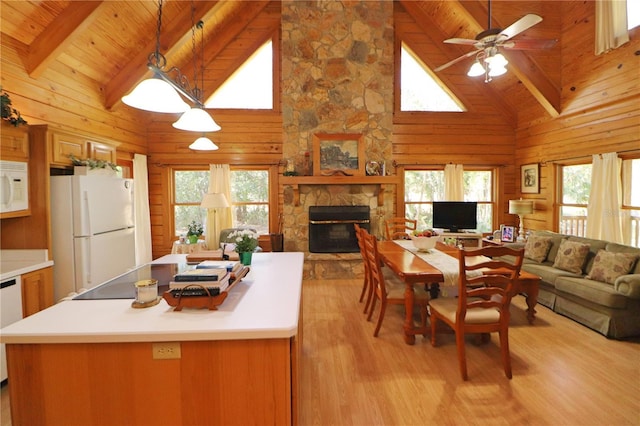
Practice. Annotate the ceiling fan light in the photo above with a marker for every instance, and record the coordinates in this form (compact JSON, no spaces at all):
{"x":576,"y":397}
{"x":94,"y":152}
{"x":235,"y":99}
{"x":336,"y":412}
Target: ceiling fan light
{"x":476,"y":70}
{"x":196,"y":120}
{"x":203,"y":143}
{"x":155,"y":95}
{"x":495,"y":71}
{"x":498,"y":61}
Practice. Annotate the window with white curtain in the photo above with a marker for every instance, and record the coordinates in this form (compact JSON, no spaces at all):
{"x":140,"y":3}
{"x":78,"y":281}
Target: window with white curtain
{"x":575,"y":188}
{"x":423,"y":187}
{"x":249,"y":198}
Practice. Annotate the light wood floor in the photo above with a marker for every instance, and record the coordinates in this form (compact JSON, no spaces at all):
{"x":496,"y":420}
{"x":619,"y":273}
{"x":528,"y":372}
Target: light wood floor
{"x":563,"y":373}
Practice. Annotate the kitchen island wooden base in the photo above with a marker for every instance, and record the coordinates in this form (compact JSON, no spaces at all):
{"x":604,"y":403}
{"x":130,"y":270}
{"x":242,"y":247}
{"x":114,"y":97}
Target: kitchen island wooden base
{"x":231,"y":382}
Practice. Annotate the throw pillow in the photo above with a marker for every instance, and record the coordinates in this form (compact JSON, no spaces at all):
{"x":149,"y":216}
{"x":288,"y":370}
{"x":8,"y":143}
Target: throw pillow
{"x":571,"y":256}
{"x":537,"y":248}
{"x":608,"y":266}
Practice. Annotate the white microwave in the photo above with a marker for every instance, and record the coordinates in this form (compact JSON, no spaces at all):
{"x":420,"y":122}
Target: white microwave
{"x":14,"y":186}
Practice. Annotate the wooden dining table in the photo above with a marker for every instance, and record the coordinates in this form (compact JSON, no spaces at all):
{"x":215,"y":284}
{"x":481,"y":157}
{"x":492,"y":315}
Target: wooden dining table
{"x":412,"y":269}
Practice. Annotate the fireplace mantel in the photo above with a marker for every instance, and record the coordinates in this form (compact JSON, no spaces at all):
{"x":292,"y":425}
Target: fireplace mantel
{"x":296,"y":181}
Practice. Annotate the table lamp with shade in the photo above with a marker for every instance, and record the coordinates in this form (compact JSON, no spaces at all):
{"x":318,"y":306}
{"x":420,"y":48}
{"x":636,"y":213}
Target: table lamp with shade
{"x":520,"y":207}
{"x":214,"y":201}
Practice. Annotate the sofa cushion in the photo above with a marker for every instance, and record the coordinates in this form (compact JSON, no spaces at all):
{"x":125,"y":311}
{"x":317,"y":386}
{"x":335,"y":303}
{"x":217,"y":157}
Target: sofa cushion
{"x":571,"y":256}
{"x":537,"y":248}
{"x":546,"y":272}
{"x":594,"y":247}
{"x":555,"y":242}
{"x":592,"y":291}
{"x":620,"y":248}
{"x":607,"y":266}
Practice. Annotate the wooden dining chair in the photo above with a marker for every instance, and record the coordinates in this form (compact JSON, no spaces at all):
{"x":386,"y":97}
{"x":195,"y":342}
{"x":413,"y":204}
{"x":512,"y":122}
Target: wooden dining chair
{"x":397,"y":227}
{"x":386,"y":287}
{"x":367,"y":291}
{"x":484,"y":294}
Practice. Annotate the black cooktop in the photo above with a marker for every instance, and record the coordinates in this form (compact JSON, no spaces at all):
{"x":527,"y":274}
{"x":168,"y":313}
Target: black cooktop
{"x":123,"y":287}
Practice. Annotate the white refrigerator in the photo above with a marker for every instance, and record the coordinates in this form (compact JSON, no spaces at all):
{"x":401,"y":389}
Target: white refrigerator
{"x":92,"y":226}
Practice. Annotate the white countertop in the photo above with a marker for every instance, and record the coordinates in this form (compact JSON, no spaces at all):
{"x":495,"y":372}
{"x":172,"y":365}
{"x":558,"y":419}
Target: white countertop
{"x":265,"y":304}
{"x":18,"y":262}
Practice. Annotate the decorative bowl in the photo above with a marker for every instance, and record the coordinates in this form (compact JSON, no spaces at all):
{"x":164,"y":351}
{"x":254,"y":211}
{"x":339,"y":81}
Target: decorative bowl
{"x":424,"y":243}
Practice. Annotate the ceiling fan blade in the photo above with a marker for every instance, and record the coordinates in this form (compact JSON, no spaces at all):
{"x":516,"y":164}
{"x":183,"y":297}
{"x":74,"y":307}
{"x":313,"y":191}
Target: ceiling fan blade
{"x":519,"y":26}
{"x":533,"y":44}
{"x":448,"y":64}
{"x":465,"y":41}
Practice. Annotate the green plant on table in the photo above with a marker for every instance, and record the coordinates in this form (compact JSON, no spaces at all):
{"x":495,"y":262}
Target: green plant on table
{"x":244,"y":239}
{"x":195,"y":228}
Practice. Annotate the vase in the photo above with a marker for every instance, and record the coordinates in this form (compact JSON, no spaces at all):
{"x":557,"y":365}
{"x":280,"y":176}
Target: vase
{"x":245,"y":257}
{"x":193,"y":239}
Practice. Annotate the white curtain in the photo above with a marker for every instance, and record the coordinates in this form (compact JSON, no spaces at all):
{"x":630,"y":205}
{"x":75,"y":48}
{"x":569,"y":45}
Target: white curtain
{"x":453,"y":182}
{"x":605,"y":199}
{"x":611,"y":25}
{"x":143,"y":221}
{"x":218,"y":219}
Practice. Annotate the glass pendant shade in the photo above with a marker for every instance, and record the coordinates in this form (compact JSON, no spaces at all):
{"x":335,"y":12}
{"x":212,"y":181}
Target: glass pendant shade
{"x":496,"y":71}
{"x":476,"y":70}
{"x":196,"y":120}
{"x":155,"y":95}
{"x":203,"y":143}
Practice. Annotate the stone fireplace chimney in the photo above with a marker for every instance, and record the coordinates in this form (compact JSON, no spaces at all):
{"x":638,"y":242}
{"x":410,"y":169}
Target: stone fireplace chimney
{"x":337,"y":77}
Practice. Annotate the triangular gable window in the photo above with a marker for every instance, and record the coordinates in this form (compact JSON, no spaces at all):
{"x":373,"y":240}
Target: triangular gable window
{"x":250,"y":86}
{"x":420,"y":89}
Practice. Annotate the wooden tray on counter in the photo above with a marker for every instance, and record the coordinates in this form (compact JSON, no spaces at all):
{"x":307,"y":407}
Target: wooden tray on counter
{"x":202,"y":302}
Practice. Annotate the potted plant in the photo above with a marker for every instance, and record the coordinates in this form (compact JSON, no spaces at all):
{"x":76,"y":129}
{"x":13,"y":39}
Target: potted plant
{"x":83,"y":165}
{"x":246,"y":242}
{"x":194,"y":232}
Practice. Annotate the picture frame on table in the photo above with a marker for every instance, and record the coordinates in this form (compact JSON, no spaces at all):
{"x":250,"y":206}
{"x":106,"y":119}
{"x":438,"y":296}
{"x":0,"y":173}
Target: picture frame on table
{"x":530,"y":178}
{"x":338,"y":154}
{"x":507,"y":233}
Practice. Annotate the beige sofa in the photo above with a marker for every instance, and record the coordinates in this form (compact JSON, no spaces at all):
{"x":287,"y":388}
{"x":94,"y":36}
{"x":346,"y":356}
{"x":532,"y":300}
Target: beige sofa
{"x":594,"y":282}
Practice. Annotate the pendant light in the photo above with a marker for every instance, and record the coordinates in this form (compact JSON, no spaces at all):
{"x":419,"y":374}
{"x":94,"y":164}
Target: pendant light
{"x":197,"y":119}
{"x":203,"y":143}
{"x":159,"y":93}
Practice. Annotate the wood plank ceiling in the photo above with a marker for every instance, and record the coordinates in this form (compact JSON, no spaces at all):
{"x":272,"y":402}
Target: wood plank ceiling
{"x":109,"y":41}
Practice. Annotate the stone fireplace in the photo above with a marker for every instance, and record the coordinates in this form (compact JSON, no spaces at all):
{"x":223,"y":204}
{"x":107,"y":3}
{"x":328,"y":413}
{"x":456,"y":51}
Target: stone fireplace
{"x":337,"y":77}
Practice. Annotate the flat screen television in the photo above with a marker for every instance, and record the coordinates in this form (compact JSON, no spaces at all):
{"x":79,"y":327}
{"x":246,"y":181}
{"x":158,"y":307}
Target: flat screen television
{"x":455,"y":215}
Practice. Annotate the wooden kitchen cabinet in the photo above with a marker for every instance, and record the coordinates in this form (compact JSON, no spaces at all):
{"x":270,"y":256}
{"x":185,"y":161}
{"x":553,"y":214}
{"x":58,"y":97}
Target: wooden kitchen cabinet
{"x":14,"y":142}
{"x":37,"y":291}
{"x":101,"y":151}
{"x":64,"y":145}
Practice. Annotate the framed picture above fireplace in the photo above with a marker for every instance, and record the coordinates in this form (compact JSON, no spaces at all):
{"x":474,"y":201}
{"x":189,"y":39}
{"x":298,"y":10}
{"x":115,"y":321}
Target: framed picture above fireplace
{"x":338,"y":154}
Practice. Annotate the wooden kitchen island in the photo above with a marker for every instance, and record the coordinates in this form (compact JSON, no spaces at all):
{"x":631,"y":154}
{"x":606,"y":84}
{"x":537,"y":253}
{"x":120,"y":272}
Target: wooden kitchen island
{"x":88,"y":362}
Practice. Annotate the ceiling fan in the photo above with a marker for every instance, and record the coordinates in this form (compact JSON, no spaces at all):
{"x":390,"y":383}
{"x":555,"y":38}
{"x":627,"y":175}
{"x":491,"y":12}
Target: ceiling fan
{"x":489,"y":61}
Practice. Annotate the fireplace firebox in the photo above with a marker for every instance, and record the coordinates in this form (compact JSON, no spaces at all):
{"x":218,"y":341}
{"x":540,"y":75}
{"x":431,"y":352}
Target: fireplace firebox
{"x":331,"y":228}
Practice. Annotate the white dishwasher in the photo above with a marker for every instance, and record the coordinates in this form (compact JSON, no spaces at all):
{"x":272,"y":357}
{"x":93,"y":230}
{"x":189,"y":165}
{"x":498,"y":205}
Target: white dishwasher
{"x":10,"y":312}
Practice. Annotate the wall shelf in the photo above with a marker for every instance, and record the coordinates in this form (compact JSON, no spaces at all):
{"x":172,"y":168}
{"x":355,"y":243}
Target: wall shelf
{"x":296,"y":181}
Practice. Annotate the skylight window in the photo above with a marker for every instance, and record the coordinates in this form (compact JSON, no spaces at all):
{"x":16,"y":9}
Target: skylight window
{"x":250,"y":86}
{"x":420,"y":89}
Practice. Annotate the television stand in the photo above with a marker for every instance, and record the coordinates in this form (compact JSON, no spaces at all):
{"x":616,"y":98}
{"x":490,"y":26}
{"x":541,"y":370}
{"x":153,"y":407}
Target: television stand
{"x":467,"y":239}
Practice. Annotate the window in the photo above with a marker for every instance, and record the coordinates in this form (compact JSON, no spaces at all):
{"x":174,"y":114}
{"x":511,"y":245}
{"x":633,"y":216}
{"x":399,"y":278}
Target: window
{"x":631,"y":201}
{"x":423,"y":187}
{"x":420,"y":89}
{"x":251,"y":86}
{"x":575,"y":188}
{"x":249,"y":198}
{"x":574,"y":195}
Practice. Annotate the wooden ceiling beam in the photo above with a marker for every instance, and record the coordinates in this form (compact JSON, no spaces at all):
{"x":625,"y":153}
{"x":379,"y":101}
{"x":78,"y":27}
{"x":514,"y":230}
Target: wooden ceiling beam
{"x":175,"y":34}
{"x":58,"y":35}
{"x":520,"y":63}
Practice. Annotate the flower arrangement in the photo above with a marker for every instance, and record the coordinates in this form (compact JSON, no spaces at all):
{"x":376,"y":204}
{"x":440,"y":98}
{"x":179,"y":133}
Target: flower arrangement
{"x":244,"y":239}
{"x":195,"y":229}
